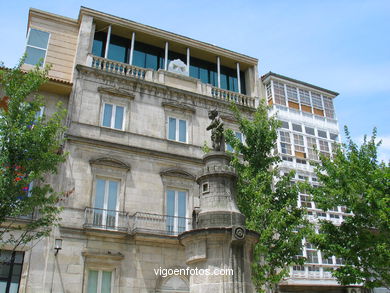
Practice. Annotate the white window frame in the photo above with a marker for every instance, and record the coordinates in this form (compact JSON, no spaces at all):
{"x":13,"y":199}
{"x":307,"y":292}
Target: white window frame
{"x":99,"y":280}
{"x":242,"y":140}
{"x":177,"y":130}
{"x":176,"y":208}
{"x":105,"y":200}
{"x":113,"y":114}
{"x":47,"y":46}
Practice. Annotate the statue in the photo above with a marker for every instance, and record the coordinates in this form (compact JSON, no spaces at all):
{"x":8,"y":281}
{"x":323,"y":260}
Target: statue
{"x":179,"y":67}
{"x":216,"y":127}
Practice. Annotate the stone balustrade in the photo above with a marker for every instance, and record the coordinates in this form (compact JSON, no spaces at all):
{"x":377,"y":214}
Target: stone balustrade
{"x":169,"y":79}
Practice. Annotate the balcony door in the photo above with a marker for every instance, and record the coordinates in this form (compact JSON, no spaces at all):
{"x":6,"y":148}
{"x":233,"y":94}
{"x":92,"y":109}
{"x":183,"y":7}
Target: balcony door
{"x":176,"y":211}
{"x":106,"y":203}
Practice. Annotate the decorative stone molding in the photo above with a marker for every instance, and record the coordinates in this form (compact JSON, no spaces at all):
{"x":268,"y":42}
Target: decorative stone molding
{"x":116,"y":92}
{"x":110,"y":162}
{"x":179,"y":106}
{"x":173,"y":172}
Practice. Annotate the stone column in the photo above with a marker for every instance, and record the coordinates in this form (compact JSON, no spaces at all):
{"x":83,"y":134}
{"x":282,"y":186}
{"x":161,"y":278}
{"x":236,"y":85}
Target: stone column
{"x":219,"y":241}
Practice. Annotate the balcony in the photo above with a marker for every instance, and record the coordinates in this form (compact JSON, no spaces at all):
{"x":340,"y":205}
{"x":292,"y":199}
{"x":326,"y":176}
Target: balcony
{"x":170,"y":79}
{"x":108,"y":221}
{"x":160,"y":224}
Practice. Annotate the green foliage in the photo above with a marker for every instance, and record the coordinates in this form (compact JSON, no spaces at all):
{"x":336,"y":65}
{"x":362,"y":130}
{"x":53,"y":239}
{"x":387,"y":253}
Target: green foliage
{"x":354,"y":178}
{"x":267,"y":199}
{"x":205,"y":148}
{"x":30,"y":149}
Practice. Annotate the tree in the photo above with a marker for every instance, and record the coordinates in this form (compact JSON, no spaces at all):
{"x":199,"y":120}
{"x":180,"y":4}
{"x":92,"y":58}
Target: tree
{"x":353,"y":178}
{"x":30,"y":150}
{"x":267,"y":199}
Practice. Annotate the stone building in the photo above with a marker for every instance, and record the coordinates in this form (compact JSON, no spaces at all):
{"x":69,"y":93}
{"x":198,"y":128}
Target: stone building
{"x":138,"y":99}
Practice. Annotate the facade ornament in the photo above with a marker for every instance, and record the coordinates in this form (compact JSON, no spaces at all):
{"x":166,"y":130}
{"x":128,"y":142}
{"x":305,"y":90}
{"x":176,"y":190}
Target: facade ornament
{"x":179,"y":67}
{"x":216,"y":127}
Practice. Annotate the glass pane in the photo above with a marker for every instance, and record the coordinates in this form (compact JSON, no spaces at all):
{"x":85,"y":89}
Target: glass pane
{"x":112,"y":195}
{"x":107,"y":115}
{"x":106,"y":282}
{"x":229,"y":147}
{"x":92,"y":281}
{"x":151,"y":61}
{"x":172,"y":128}
{"x":99,"y":198}
{"x":170,"y":210}
{"x":117,"y":53}
{"x":224,"y":84}
{"x":38,"y":38}
{"x":182,"y":130}
{"x":97,"y":48}
{"x":119,"y":117}
{"x":239,"y":136}
{"x":138,"y":58}
{"x":182,"y":203}
{"x":34,"y":56}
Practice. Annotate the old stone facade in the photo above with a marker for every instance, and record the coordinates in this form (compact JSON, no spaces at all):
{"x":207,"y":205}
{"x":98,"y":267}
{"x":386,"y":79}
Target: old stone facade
{"x":136,"y":128}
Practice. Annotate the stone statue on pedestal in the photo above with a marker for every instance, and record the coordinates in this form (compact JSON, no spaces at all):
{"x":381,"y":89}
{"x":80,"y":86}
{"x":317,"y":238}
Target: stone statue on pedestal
{"x":216,"y":127}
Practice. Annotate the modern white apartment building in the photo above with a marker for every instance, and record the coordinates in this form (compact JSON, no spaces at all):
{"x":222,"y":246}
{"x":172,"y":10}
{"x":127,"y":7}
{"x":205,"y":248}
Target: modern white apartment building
{"x":137,"y":100}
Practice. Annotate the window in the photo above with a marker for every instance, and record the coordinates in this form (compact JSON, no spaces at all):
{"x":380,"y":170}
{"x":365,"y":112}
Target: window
{"x":284,"y":124}
{"x":100,"y":281}
{"x":304,"y":97}
{"x":298,"y":143}
{"x":113,"y":116}
{"x":176,"y":211}
{"x":105,"y":205}
{"x":328,"y":105}
{"x":285,"y":142}
{"x":327,"y":260}
{"x":37,"y":43}
{"x":239,"y":136}
{"x":322,"y":134}
{"x":309,"y":130}
{"x":177,"y":129}
{"x":269,"y":92}
{"x":297,"y":127}
{"x":306,"y":201}
{"x":11,"y":263}
{"x":333,"y":136}
{"x":280,"y":97}
{"x":311,"y":148}
{"x":317,"y":102}
{"x":292,"y":94}
{"x":300,"y":161}
{"x":324,"y":147}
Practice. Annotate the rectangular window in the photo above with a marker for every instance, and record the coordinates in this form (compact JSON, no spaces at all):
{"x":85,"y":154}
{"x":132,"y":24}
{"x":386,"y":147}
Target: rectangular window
{"x":316,"y":99}
{"x":327,"y":260}
{"x":176,"y":211}
{"x":37,"y":43}
{"x":297,"y":127}
{"x":324,"y":147}
{"x":240,"y":137}
{"x":280,"y":97}
{"x":105,"y":206}
{"x":11,"y":263}
{"x":322,"y":134}
{"x":312,"y":256}
{"x":292,"y":94}
{"x":285,"y":125}
{"x":113,"y":116}
{"x":100,"y":281}
{"x":298,"y":143}
{"x":333,"y":136}
{"x":306,"y":201}
{"x":311,"y":148}
{"x":285,"y":142}
{"x":328,"y":105}
{"x":309,"y":130}
{"x":304,"y":97}
{"x":177,"y":129}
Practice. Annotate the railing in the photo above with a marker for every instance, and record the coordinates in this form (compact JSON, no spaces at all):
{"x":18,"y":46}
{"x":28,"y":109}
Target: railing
{"x":160,"y":224}
{"x":116,"y":67}
{"x":320,"y":273}
{"x":232,"y":97}
{"x":106,"y":219}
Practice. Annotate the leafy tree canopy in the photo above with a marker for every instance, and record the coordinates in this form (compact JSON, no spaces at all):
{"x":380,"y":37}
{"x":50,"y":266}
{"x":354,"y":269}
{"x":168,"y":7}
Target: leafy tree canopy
{"x":267,"y":199}
{"x":30,"y":149}
{"x":354,"y":178}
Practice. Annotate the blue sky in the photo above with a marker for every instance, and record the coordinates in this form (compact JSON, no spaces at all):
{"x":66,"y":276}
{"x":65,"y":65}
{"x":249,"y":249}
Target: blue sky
{"x":342,"y":45}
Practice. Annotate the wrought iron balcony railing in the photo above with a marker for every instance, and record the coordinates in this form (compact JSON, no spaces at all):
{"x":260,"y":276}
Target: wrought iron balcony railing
{"x":106,"y":219}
